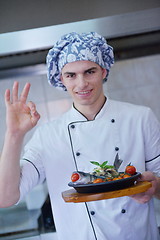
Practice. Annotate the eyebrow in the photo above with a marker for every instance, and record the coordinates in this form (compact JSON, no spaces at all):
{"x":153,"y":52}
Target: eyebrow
{"x":87,"y":70}
{"x":65,"y":73}
{"x":90,"y":69}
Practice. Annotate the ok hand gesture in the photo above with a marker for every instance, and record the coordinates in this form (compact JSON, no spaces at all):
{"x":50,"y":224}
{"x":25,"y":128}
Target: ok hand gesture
{"x":20,"y":115}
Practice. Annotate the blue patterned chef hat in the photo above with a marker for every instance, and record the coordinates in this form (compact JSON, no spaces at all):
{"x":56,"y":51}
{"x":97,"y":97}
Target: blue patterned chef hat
{"x":75,"y":47}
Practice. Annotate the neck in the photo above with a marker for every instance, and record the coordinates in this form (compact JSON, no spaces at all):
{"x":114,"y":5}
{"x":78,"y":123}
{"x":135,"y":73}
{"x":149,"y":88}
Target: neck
{"x":90,"y":111}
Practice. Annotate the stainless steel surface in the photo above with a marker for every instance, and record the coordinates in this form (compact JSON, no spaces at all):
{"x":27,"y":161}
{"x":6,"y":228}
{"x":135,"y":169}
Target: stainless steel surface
{"x":18,"y":221}
{"x":110,"y":27}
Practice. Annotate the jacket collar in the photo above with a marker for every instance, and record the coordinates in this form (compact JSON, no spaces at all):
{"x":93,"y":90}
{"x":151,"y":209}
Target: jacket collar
{"x":75,"y":115}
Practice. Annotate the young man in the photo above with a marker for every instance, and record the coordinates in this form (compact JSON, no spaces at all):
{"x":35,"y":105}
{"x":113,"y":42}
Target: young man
{"x":95,"y":128}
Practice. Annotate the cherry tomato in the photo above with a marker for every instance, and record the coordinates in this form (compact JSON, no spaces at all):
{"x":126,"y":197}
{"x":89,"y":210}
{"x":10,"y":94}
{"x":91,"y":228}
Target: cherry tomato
{"x":130,"y":170}
{"x":98,"y":180}
{"x":74,"y":177}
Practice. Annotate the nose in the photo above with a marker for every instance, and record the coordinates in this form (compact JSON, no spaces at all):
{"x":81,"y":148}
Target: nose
{"x":82,"y":82}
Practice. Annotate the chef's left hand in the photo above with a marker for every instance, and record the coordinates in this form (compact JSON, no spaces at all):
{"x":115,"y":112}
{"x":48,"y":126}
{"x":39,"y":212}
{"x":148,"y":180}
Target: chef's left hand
{"x":146,"y":196}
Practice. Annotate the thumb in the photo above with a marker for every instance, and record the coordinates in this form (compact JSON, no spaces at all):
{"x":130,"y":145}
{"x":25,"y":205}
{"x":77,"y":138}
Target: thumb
{"x":147,"y":176}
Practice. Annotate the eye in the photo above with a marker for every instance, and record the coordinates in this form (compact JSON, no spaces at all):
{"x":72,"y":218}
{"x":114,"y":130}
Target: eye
{"x":70,"y":75}
{"x":91,"y":71}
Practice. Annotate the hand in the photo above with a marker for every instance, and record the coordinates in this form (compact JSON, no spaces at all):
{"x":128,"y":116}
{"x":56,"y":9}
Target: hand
{"x":20,"y":116}
{"x":146,"y":196}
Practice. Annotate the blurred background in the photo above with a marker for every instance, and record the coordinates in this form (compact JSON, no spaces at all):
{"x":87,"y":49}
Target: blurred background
{"x":28,"y":29}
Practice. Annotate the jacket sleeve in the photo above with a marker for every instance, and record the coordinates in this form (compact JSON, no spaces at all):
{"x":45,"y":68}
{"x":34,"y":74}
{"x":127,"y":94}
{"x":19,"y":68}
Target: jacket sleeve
{"x":151,"y":130}
{"x":32,"y":168}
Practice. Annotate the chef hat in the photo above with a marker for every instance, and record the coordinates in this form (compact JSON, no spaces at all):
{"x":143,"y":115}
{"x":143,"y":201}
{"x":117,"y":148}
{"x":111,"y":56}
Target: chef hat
{"x":75,"y":47}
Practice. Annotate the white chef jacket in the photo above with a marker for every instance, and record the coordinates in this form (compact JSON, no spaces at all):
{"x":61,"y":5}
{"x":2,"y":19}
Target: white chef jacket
{"x":69,"y":143}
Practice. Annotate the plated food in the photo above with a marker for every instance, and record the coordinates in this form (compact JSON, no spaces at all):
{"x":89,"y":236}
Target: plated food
{"x":104,"y":177}
{"x":102,"y":173}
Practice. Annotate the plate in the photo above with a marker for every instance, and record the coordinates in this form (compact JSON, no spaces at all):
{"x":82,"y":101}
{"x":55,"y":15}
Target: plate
{"x":105,"y":186}
{"x":72,"y":196}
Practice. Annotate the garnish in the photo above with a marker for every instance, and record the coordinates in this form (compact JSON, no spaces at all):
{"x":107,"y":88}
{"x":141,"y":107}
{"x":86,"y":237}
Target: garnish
{"x":104,"y":165}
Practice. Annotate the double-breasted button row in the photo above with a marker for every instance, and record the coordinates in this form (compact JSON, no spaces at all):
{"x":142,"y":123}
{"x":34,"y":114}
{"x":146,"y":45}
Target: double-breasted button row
{"x":73,"y":126}
{"x":113,"y":121}
{"x":78,"y":153}
{"x":93,"y":212}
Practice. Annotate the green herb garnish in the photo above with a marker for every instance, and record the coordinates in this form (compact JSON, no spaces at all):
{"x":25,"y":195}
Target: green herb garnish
{"x":104,"y":165}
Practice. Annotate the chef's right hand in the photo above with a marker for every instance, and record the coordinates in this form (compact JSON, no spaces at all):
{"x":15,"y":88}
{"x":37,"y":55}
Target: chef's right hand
{"x":20,"y":115}
{"x":151,"y":192}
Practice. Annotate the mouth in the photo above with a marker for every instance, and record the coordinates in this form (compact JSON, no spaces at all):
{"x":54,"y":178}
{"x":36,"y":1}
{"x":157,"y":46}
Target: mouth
{"x":84,"y":93}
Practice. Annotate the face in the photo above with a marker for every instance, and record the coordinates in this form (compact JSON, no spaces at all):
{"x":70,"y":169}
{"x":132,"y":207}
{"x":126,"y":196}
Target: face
{"x":84,"y":82}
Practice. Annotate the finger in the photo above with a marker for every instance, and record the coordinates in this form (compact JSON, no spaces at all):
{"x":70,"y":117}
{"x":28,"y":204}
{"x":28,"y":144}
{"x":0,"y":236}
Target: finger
{"x":15,"y":91}
{"x":147,"y":176}
{"x":32,"y":106}
{"x":7,"y":97}
{"x":25,"y":93}
{"x":137,"y":196}
{"x":35,"y":116}
{"x":140,"y":197}
{"x":33,"y":110}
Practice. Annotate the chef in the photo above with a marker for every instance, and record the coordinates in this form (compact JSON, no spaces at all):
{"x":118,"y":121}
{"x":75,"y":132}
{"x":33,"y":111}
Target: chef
{"x":96,"y":128}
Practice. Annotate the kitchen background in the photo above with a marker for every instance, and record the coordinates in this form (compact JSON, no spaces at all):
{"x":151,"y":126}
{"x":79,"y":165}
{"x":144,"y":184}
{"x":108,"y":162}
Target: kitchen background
{"x":134,"y":32}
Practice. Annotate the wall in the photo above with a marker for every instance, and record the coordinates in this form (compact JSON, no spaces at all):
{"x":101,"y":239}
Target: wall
{"x":135,"y":80}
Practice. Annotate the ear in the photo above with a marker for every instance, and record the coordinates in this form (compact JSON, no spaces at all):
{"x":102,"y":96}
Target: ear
{"x":104,"y":72}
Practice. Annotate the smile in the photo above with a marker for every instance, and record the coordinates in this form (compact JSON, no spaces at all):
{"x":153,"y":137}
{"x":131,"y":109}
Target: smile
{"x":84,"y":92}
